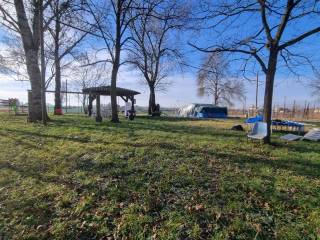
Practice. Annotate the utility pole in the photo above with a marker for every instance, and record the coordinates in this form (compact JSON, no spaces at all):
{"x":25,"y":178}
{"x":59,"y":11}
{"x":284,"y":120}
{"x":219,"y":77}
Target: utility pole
{"x":304,"y":109}
{"x":294,"y":109}
{"x":245,"y":106}
{"x":43,"y":67}
{"x":66,"y":95}
{"x":257,"y":91}
{"x":307,"y":110}
{"x":284,"y":106}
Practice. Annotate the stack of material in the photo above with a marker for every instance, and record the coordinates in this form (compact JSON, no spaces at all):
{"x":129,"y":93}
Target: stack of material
{"x":313,"y":135}
{"x":290,"y":137}
{"x":288,"y":125}
{"x":279,"y":124}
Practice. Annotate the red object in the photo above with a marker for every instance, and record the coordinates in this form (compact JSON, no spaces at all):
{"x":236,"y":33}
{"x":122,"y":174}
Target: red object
{"x":58,"y":111}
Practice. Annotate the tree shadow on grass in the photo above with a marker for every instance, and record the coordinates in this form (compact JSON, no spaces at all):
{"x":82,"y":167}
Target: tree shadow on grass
{"x":300,"y":166}
{"x":58,"y":137}
{"x":116,"y":172}
{"x":166,"y":128}
{"x":19,"y":141}
{"x":37,"y":135}
{"x":33,"y":172}
{"x":299,"y":146}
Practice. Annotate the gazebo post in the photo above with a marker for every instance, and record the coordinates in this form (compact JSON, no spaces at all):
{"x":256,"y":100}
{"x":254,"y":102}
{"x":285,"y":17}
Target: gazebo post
{"x":91,"y":98}
{"x":98,"y":117}
{"x":96,"y":92}
{"x":132,"y":103}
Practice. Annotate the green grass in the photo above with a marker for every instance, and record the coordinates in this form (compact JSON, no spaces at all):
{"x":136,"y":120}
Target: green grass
{"x":153,"y":179}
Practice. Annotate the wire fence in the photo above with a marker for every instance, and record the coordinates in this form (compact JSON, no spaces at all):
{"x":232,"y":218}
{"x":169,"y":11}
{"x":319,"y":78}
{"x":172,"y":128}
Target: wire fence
{"x":295,"y":113}
{"x":12,"y":106}
{"x":73,"y":104}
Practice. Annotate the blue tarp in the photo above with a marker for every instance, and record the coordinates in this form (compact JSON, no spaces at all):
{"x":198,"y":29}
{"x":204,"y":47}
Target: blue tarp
{"x":255,"y":119}
{"x":212,"y":112}
{"x":276,"y":122}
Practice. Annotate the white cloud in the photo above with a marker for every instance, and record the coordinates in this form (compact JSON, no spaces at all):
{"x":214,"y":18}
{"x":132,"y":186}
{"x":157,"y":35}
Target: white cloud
{"x":13,"y":89}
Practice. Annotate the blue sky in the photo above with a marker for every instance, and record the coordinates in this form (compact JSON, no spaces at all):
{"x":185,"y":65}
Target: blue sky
{"x":183,"y":89}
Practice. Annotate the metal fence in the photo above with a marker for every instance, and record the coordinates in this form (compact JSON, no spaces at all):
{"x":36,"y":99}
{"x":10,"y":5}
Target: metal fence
{"x":296,"y":113}
{"x":13,"y":106}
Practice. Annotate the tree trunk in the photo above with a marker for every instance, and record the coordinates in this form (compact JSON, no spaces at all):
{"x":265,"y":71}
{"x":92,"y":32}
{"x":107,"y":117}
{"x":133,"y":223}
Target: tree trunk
{"x":57,"y":94}
{"x":98,"y":109}
{"x":57,"y":63}
{"x":216,"y":95}
{"x":216,"y":99}
{"x":91,"y":98}
{"x":113,"y":93}
{"x":84,"y":106}
{"x":31,"y":42}
{"x":152,"y":99}
{"x":35,"y":112}
{"x":116,"y":65}
{"x":268,"y":95}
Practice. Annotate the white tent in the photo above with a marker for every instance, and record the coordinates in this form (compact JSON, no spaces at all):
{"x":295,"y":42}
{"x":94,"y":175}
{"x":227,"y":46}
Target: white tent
{"x":191,"y":109}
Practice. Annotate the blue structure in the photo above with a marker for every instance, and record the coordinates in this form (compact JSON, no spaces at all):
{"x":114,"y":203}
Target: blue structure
{"x":278,"y":123}
{"x":197,"y":110}
{"x":255,"y":119}
{"x":212,"y":112}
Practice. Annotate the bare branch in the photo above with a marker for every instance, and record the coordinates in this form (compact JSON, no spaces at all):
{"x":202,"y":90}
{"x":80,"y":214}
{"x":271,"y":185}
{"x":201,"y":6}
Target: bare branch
{"x":299,"y":38}
{"x":223,"y":49}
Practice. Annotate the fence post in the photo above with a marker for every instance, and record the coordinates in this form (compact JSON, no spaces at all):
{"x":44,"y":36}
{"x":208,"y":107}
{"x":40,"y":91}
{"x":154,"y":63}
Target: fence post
{"x":294,"y":109}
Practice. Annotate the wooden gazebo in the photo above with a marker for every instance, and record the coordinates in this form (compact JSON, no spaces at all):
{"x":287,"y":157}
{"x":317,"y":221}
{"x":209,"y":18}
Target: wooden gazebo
{"x":95,"y":93}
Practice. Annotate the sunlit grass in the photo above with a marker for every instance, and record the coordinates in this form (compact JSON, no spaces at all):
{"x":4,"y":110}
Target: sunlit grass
{"x":154,"y":178}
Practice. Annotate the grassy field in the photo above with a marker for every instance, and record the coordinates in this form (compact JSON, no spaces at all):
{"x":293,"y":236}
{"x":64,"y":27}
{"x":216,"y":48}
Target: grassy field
{"x":153,"y":179}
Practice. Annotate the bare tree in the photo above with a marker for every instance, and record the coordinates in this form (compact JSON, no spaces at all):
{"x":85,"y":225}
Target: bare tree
{"x":65,"y":40}
{"x":25,"y":18}
{"x":111,"y":19}
{"x":12,"y":58}
{"x":155,"y":53}
{"x":264,"y":31}
{"x":213,"y":80}
{"x":315,"y":84}
{"x":85,"y":77}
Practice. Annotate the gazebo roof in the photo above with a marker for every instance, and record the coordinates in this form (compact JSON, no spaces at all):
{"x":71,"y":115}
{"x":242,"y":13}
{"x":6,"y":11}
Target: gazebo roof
{"x":105,"y":90}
